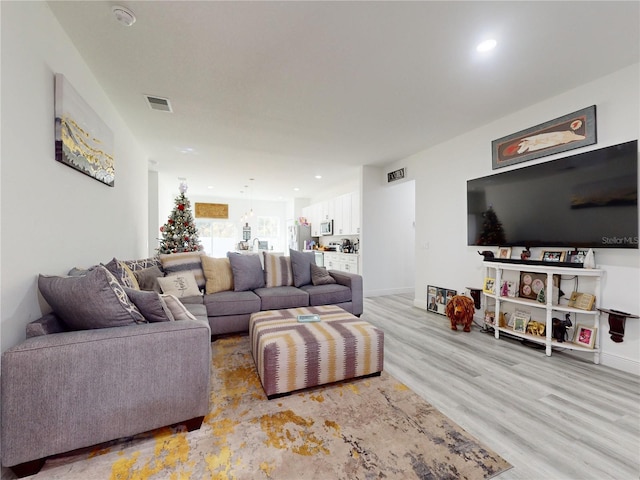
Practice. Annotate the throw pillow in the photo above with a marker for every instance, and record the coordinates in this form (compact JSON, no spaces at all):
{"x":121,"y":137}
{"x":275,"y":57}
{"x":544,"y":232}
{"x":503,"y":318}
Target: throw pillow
{"x":247,"y":271}
{"x":178,"y":310}
{"x":148,"y":278}
{"x":143,"y":263}
{"x":123,"y":273}
{"x":320,"y":275}
{"x":218,"y":274}
{"x":277,"y":270}
{"x":184,"y":262}
{"x":95,"y":300}
{"x":151,"y":305}
{"x":301,"y":267}
{"x":179,"y":284}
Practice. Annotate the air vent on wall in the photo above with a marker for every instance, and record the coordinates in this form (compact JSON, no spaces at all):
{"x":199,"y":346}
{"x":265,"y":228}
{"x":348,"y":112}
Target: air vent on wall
{"x":158,"y":103}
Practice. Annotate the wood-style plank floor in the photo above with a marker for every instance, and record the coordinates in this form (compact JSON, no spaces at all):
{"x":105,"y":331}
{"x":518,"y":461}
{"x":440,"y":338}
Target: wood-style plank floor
{"x":557,"y":417}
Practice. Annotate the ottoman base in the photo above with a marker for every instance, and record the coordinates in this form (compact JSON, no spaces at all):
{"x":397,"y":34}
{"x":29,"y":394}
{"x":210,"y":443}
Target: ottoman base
{"x":291,"y":355}
{"x":286,"y":394}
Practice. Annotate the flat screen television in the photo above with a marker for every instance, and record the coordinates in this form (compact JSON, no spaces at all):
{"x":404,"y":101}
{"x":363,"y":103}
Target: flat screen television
{"x":588,"y":200}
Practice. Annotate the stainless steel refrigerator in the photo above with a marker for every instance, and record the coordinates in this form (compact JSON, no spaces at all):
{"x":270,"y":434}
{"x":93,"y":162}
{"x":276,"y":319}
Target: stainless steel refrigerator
{"x":297,"y":235}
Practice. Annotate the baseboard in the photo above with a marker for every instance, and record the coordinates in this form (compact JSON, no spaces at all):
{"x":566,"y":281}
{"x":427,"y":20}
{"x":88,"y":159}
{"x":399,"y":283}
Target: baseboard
{"x":420,"y":303}
{"x":392,"y":291}
{"x":620,"y":363}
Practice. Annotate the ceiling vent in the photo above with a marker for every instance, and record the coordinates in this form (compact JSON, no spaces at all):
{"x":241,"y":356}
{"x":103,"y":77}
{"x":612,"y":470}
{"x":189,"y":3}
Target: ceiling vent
{"x":158,"y":103}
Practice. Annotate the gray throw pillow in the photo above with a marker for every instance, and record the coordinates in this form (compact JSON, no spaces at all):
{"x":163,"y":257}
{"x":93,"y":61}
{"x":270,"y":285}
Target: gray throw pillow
{"x":320,"y":276}
{"x":247,"y":271}
{"x":148,"y":278}
{"x":95,"y":300}
{"x":301,"y":267}
{"x":151,"y":305}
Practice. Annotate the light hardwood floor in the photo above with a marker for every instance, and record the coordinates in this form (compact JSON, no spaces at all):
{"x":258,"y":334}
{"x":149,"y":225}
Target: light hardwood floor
{"x":557,"y":417}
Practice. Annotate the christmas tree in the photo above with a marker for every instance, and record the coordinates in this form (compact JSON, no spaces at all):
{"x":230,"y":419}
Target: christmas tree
{"x":179,"y":233}
{"x":492,"y":231}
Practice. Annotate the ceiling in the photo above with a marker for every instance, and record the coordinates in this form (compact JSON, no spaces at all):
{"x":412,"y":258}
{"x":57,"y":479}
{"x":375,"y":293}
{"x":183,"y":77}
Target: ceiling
{"x":283,"y":91}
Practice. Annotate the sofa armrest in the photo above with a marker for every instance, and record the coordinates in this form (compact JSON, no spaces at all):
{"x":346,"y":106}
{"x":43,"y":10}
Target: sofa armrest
{"x":72,"y":390}
{"x":354,"y":282}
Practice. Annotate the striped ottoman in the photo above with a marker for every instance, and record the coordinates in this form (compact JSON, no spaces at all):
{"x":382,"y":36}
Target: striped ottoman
{"x":291,"y":355}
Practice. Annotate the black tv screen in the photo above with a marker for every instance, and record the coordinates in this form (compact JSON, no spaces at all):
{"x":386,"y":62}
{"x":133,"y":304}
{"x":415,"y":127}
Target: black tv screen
{"x":588,"y":200}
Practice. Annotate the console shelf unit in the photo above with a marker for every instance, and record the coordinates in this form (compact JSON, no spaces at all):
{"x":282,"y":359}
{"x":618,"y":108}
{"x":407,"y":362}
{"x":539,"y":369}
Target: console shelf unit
{"x":587,"y":317}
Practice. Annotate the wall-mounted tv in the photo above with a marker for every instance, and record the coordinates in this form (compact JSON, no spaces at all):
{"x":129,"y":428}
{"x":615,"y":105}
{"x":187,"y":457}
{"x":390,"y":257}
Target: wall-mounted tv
{"x":588,"y":200}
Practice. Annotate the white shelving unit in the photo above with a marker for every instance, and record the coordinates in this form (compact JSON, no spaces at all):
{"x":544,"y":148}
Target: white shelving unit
{"x":587,"y":317}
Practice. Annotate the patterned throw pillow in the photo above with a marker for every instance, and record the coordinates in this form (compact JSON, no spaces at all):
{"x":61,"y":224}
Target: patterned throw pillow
{"x":143,"y":263}
{"x":218,"y":274}
{"x":123,"y":273}
{"x":320,"y":276}
{"x":277,"y":270}
{"x":179,"y":284}
{"x":95,"y":300}
{"x":173,"y":263}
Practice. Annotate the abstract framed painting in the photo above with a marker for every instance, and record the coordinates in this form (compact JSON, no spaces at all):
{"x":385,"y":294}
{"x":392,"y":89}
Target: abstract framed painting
{"x":564,"y":133}
{"x":82,"y":140}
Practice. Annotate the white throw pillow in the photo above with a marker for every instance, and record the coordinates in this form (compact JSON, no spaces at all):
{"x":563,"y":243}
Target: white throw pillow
{"x":180,"y":285}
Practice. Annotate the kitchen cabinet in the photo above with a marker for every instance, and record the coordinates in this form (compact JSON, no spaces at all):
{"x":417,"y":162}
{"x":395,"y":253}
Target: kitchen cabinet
{"x":344,"y":210}
{"x":344,"y":262}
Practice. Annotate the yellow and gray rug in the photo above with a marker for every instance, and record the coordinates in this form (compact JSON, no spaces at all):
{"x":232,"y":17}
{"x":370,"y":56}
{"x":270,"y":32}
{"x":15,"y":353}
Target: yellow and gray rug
{"x":363,"y":429}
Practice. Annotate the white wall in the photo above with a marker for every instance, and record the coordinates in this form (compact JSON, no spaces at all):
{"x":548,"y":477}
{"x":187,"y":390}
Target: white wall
{"x":387,"y":239}
{"x":441,"y":173}
{"x":54,"y":217}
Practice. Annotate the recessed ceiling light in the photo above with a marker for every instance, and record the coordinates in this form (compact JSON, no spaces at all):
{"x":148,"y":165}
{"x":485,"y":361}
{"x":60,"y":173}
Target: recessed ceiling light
{"x":210,"y":187}
{"x":487,"y":45}
{"x":318,"y":177}
{"x":296,"y":189}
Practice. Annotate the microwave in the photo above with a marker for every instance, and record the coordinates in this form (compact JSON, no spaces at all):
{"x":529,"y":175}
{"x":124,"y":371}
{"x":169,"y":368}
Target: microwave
{"x":326,"y":228}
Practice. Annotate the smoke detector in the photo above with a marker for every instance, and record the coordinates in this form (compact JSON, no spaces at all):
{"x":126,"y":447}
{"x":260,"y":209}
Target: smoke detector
{"x":124,"y":15}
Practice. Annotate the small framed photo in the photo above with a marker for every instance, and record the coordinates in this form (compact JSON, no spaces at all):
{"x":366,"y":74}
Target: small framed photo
{"x":552,"y":256}
{"x":489,"y":286}
{"x":585,"y":336}
{"x":504,"y":252}
{"x":520,"y":324}
{"x":576,"y":256}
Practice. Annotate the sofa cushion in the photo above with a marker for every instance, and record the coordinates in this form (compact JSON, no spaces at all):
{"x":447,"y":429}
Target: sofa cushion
{"x":217,"y":273}
{"x":151,"y":305}
{"x":123,"y":273}
{"x":148,"y":278}
{"x":320,"y":275}
{"x":247,"y":271}
{"x":45,"y":325}
{"x":277,"y":270}
{"x":330,"y":294}
{"x":95,"y":300}
{"x":179,"y":284}
{"x":231,"y":303}
{"x":174,"y":263}
{"x":301,"y":267}
{"x":276,"y":298}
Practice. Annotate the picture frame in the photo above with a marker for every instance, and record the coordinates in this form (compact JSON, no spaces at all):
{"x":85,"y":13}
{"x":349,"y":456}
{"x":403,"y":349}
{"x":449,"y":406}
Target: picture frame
{"x":520,"y":324}
{"x":438,"y":297}
{"x":504,"y":252}
{"x":567,"y":132}
{"x":532,"y":283}
{"x":555,"y":256}
{"x":489,"y":286}
{"x":576,"y":256}
{"x":585,"y":336}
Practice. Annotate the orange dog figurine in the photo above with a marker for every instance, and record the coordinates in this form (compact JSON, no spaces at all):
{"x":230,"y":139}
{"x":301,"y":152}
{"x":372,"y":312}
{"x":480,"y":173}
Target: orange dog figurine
{"x":460,"y":309}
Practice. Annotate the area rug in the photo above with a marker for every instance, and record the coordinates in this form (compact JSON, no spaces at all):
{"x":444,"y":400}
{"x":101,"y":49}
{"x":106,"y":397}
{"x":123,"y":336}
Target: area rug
{"x":369,"y":428}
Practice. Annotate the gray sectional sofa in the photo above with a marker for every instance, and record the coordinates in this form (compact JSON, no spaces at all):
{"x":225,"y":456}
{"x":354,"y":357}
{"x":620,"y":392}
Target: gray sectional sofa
{"x":110,"y":361}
